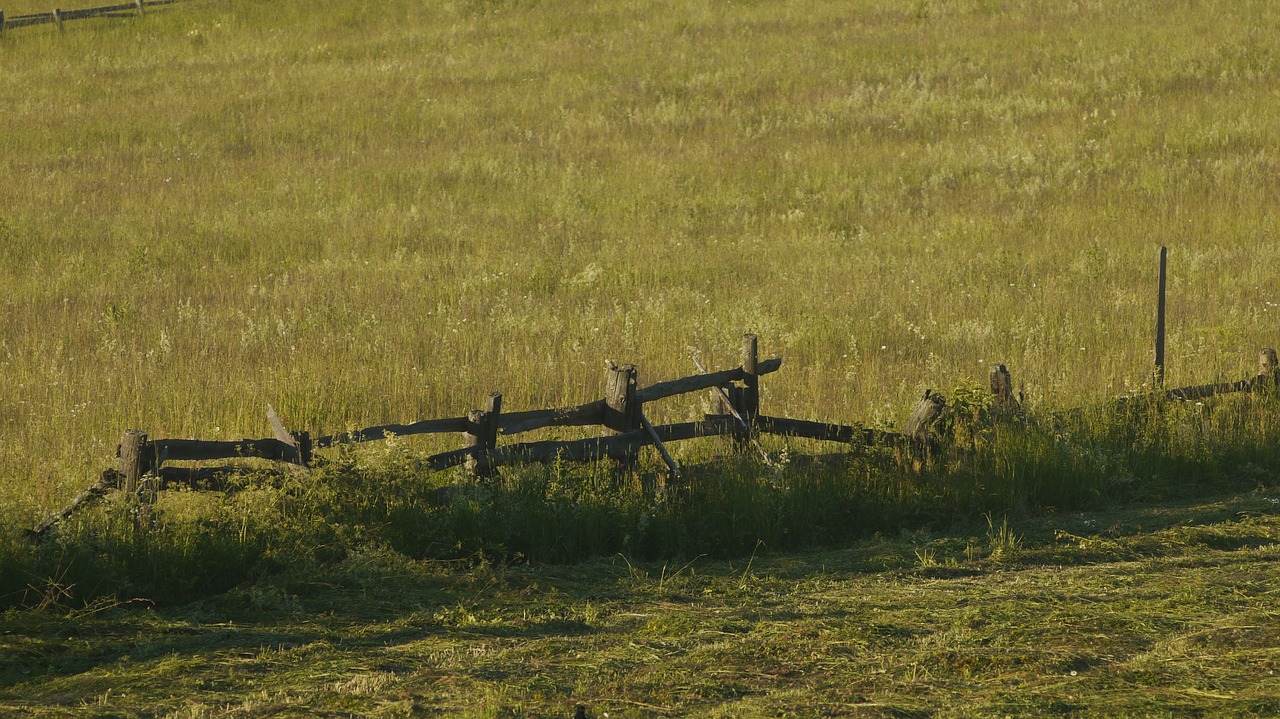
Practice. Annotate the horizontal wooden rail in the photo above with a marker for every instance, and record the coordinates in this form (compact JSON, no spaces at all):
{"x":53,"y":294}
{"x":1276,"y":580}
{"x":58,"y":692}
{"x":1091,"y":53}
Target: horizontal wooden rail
{"x":369,"y":434}
{"x":188,"y":450}
{"x":60,"y":16}
{"x":697,"y":382}
{"x":517,"y":422}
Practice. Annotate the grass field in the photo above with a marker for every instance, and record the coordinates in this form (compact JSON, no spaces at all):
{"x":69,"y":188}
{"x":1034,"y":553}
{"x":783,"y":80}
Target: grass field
{"x":365,"y":216}
{"x":366,"y":213}
{"x":1158,"y":610}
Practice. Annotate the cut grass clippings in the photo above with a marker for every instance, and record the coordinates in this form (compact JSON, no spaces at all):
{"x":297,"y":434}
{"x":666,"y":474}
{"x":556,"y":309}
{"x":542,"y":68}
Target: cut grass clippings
{"x":1162,"y":610}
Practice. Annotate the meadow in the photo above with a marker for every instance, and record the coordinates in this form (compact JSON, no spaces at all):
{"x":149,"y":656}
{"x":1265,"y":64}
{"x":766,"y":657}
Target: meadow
{"x":361,"y":214}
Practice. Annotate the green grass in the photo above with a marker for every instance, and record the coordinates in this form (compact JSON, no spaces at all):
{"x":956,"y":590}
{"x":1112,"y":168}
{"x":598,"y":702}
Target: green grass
{"x":365,"y":215}
{"x":369,"y":216}
{"x":1156,"y":610}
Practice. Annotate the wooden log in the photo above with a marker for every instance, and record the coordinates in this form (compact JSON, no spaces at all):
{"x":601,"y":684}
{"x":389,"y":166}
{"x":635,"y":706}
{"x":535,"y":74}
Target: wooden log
{"x":729,"y":399}
{"x":134,"y":451}
{"x":596,"y":448}
{"x":585,"y":414}
{"x":110,"y":479}
{"x":920,"y":424}
{"x":697,"y":383}
{"x":191,"y":450}
{"x":662,"y":448}
{"x":291,"y":439}
{"x":370,"y":434}
{"x":817,"y":430}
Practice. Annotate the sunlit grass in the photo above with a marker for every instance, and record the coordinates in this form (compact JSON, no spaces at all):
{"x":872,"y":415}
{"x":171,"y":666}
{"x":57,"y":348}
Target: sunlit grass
{"x":361,"y":215}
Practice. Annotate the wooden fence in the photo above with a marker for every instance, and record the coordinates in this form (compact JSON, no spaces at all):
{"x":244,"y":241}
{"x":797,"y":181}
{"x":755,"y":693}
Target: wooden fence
{"x":58,"y":16}
{"x":621,"y":412}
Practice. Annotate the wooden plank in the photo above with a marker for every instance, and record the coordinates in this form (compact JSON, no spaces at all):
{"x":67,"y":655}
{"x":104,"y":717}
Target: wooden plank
{"x":191,"y":450}
{"x":370,"y":434}
{"x":110,"y":479}
{"x":699,"y":382}
{"x":817,"y":430}
{"x":586,"y":450}
{"x":584,"y":414}
{"x":743,"y":430}
{"x":662,"y":448}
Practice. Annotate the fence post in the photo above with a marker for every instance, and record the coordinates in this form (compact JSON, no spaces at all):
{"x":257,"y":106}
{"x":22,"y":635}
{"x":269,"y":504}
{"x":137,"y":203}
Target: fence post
{"x":920,"y":424}
{"x":1267,"y":377}
{"x":750,"y":380}
{"x":57,"y":18}
{"x":1003,"y":401}
{"x":133,"y":459}
{"x":139,"y":4}
{"x":2,"y":23}
{"x":482,"y":432}
{"x":1159,"y":376}
{"x":621,"y":410}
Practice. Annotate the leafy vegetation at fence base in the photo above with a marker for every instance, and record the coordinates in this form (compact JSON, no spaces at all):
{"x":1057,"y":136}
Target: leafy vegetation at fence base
{"x":1153,"y":610}
{"x":377,"y":497}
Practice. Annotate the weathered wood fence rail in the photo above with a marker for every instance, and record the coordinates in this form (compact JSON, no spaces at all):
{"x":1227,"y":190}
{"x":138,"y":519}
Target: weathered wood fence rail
{"x":621,"y":411}
{"x":58,"y":16}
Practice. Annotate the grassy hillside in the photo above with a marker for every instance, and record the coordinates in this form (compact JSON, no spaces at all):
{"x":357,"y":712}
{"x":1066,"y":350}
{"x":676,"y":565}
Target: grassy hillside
{"x":361,"y":214}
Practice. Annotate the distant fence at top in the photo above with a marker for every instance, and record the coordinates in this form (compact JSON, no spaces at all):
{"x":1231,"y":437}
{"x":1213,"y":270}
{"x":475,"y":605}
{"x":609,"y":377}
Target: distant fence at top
{"x":58,"y":16}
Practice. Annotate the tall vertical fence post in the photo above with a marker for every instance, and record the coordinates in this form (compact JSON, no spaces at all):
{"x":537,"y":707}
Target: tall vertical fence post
{"x":2,"y":23}
{"x":140,"y":9}
{"x":133,"y":459}
{"x":57,"y":18}
{"x":621,"y":410}
{"x":482,"y":433}
{"x":1267,"y":372}
{"x":1160,"y":295}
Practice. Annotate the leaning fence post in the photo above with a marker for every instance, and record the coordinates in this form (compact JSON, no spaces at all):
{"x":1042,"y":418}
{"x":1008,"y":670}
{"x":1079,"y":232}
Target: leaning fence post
{"x":482,"y":433}
{"x":133,"y":459}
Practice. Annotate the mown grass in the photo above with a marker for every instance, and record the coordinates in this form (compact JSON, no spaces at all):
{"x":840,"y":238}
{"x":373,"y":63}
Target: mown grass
{"x":1154,"y":610}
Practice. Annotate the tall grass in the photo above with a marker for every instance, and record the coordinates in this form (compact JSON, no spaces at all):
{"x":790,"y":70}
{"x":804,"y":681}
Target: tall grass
{"x":366,"y":214}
